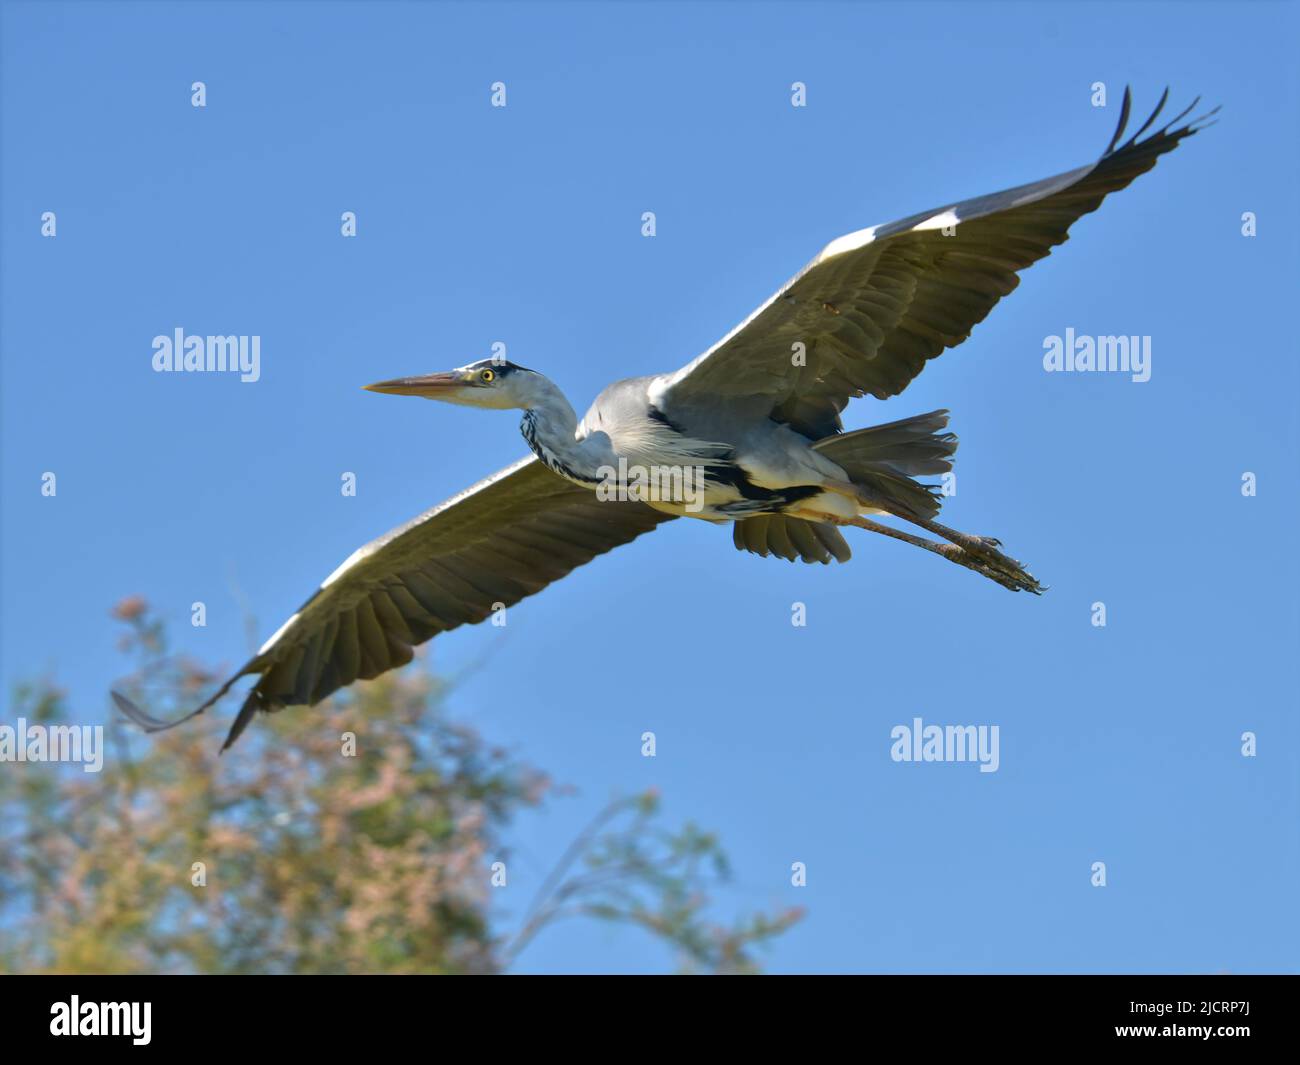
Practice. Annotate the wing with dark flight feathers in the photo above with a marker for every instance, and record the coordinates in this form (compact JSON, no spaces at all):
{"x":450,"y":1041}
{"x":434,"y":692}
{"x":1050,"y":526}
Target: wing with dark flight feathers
{"x":876,"y":305}
{"x":503,"y":539}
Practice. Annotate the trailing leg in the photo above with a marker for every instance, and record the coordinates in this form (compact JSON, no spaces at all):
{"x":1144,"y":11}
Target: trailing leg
{"x":1010,"y":574}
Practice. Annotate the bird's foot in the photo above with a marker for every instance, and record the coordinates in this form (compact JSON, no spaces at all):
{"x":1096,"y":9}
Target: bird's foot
{"x":978,"y":554}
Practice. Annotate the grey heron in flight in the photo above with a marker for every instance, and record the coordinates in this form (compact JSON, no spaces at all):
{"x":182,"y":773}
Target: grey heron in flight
{"x":757,"y":415}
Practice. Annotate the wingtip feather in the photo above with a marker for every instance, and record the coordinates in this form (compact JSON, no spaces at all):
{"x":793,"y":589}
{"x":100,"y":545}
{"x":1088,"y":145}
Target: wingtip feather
{"x":1124,"y":110}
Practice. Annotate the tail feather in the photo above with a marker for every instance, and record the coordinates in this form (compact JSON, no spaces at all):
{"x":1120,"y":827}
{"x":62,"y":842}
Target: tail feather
{"x":886,"y":458}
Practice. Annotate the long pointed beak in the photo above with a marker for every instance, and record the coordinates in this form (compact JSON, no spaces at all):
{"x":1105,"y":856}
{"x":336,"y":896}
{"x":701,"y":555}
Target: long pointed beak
{"x":430,"y":385}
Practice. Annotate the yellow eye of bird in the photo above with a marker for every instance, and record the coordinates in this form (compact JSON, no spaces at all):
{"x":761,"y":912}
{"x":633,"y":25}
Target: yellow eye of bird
{"x":487,"y":375}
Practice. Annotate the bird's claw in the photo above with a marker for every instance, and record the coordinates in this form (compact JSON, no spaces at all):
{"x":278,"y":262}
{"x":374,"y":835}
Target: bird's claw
{"x":994,"y":565}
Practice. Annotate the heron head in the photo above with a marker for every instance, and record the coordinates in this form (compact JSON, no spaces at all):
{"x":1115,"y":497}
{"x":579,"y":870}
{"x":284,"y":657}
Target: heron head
{"x":493,"y":384}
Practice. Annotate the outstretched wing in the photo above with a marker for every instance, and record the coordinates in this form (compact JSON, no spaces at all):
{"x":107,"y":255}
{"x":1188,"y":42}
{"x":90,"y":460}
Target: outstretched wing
{"x":503,"y":539}
{"x":875,"y":305}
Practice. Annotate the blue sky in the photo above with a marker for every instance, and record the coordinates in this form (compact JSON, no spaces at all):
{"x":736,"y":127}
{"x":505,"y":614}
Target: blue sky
{"x":522,"y":225}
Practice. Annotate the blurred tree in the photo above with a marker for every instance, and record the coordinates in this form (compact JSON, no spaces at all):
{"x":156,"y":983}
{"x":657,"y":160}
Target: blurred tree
{"x":305,"y":852}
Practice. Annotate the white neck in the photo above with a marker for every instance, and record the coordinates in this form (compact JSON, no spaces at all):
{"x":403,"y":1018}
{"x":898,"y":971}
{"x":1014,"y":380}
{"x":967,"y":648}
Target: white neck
{"x":550,"y":424}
